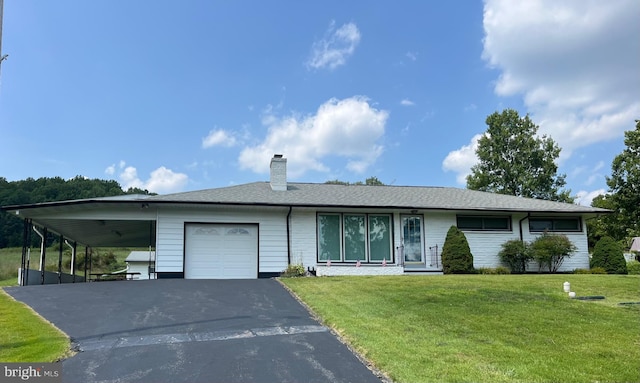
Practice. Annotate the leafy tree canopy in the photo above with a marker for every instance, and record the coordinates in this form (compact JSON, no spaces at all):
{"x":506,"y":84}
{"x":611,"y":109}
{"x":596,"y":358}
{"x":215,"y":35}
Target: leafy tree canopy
{"x":514,"y":161}
{"x":623,"y":196}
{"x":624,"y":183}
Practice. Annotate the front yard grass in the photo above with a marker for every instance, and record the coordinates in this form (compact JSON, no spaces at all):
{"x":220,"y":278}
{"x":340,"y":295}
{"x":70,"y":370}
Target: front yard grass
{"x":26,"y":337}
{"x":485,"y":328}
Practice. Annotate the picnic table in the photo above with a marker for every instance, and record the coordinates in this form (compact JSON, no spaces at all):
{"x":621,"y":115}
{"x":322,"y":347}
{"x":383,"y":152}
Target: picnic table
{"x":98,"y":277}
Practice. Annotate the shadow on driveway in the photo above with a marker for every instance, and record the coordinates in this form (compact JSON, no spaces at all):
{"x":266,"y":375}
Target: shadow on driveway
{"x":177,"y":330}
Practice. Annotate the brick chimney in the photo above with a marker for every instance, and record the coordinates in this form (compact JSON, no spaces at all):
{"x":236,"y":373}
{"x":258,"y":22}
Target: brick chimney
{"x":278,"y":179}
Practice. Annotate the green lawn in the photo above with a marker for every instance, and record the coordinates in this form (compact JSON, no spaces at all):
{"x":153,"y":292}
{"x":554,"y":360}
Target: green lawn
{"x":485,"y":328}
{"x":27,"y":337}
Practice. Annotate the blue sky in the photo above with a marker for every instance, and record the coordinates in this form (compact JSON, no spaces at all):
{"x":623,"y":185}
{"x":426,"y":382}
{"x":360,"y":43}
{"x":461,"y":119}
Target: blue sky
{"x":176,"y":96}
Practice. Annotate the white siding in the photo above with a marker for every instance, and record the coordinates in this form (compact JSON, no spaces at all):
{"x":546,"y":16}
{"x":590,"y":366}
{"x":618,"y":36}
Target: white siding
{"x":142,"y":268}
{"x":272,"y":248}
{"x":436,"y":225}
{"x":272,"y":242}
{"x":303,"y":237}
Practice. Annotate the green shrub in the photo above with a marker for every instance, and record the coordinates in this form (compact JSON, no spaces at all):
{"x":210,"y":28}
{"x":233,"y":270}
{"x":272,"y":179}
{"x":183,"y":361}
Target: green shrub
{"x":582,"y":271}
{"x":550,"y":250}
{"x":293,"y":271}
{"x":515,"y":254}
{"x":598,"y":270}
{"x":456,"y":255}
{"x":608,"y":254}
{"x":633,"y":267}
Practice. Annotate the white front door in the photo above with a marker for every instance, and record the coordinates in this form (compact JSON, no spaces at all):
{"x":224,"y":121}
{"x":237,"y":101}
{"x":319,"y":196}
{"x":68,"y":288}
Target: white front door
{"x":412,"y":240}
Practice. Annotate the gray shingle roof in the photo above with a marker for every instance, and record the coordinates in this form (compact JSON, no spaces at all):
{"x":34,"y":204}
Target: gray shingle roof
{"x":404,"y":197}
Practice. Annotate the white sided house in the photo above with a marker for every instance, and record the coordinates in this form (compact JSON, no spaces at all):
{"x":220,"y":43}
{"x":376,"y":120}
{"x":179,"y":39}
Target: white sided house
{"x":257,"y":229}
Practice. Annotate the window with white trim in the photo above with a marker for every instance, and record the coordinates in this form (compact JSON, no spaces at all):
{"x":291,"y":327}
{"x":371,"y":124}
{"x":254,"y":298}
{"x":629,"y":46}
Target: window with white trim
{"x":563,"y":224}
{"x":354,"y":237}
{"x":482,"y":222}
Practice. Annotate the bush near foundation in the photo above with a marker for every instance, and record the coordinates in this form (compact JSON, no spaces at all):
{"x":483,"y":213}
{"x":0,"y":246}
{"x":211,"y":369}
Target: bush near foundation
{"x":456,"y":254}
{"x":609,"y":255}
{"x":633,"y":268}
{"x":550,"y":251}
{"x":515,"y":254}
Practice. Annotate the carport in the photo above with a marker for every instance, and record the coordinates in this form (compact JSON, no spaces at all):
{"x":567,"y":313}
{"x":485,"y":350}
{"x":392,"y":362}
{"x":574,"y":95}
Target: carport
{"x":121,"y":221}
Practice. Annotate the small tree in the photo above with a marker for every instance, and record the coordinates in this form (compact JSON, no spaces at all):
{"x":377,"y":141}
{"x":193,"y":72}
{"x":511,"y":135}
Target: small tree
{"x":550,"y":251}
{"x":608,"y":254}
{"x":515,"y":254}
{"x":456,"y":254}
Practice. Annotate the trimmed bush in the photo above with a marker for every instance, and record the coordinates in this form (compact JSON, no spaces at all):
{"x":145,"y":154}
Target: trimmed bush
{"x":598,"y":270}
{"x":293,"y":271}
{"x":456,"y":254}
{"x":515,"y":255}
{"x":608,"y":254}
{"x":633,"y":268}
{"x":550,"y":250}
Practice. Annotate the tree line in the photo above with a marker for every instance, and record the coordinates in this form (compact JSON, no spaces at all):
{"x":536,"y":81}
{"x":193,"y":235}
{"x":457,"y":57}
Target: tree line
{"x":30,"y":191}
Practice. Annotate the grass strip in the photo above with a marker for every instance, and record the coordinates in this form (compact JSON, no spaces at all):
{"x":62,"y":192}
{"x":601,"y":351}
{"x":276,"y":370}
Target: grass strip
{"x":27,"y":337}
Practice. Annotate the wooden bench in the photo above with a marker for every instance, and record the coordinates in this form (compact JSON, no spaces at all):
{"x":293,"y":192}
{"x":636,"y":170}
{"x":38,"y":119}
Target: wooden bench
{"x":99,"y":277}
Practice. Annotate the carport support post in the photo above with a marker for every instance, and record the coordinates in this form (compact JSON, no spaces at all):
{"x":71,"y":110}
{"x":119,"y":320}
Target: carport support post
{"x":25,"y":246}
{"x":60,"y":260}
{"x":73,"y":261}
{"x":44,"y":255}
{"x":86,"y":262}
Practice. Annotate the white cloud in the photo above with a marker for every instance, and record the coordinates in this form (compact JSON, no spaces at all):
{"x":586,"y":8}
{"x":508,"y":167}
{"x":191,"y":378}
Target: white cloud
{"x":348,"y":128}
{"x":574,"y":62}
{"x":218,"y":137}
{"x":334,"y":49}
{"x":110,"y":170}
{"x":164,"y":180}
{"x":584,"y":198}
{"x":413,"y":56}
{"x":161,"y":181}
{"x":461,"y":160}
{"x":407,"y":102}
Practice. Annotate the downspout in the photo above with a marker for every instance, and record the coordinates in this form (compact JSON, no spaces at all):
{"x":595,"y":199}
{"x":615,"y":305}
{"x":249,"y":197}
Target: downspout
{"x":289,"y":236}
{"x":41,"y":246}
{"x":73,"y":259}
{"x":520,"y":224}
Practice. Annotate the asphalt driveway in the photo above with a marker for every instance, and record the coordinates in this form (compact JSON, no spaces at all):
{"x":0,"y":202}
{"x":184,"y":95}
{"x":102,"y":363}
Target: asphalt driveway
{"x":178,"y":330}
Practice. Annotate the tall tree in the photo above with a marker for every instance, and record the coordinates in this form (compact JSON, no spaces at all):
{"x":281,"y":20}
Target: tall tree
{"x":624,"y":189}
{"x":515,"y":161}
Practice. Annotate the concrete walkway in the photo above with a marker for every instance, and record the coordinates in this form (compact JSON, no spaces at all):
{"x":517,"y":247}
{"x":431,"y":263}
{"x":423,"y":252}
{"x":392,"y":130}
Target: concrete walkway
{"x":191,"y":331}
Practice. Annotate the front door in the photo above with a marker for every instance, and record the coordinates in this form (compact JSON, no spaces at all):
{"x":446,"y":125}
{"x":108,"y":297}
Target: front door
{"x":412,"y":239}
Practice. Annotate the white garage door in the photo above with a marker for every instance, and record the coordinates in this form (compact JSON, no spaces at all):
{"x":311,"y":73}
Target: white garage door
{"x":221,"y":251}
